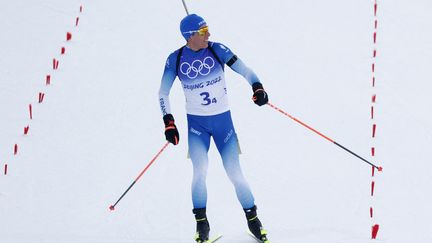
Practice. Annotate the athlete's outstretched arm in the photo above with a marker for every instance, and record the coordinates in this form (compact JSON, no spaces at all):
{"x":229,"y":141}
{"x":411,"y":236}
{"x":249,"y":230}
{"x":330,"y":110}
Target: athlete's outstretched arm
{"x":260,"y":96}
{"x":239,"y":67}
{"x":235,"y":63}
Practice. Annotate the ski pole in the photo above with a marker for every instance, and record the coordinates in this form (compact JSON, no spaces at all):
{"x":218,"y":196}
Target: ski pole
{"x":185,"y":7}
{"x":322,"y":135}
{"x":112,"y":207}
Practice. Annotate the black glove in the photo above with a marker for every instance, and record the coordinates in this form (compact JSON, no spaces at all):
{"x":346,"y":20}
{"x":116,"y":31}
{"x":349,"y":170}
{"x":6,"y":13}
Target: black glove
{"x":259,"y":97}
{"x":171,"y":132}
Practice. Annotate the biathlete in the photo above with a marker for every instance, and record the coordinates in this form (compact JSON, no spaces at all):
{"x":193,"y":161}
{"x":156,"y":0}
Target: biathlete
{"x":199,"y":65}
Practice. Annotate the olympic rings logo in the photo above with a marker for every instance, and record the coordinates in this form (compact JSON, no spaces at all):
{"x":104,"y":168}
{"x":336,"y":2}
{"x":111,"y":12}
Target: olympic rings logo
{"x":197,"y":67}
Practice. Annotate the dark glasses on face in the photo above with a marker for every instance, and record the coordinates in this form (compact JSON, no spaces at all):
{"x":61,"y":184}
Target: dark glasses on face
{"x":200,"y":32}
{"x":203,"y":31}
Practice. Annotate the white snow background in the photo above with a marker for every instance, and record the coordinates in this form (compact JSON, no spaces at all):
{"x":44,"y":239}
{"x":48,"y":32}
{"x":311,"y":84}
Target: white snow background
{"x":100,"y":123}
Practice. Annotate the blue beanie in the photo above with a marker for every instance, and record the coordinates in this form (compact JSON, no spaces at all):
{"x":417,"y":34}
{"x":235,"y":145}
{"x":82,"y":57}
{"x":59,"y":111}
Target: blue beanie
{"x":190,"y":24}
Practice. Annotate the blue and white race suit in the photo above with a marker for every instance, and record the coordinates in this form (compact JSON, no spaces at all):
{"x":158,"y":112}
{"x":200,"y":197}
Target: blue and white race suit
{"x":203,"y":81}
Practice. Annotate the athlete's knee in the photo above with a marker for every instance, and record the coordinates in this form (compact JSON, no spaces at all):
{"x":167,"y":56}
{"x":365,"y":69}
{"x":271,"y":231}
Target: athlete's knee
{"x":237,"y":179}
{"x":199,"y":174}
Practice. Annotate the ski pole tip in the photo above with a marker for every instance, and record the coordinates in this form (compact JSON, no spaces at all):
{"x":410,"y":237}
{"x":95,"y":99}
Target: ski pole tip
{"x":111,"y":208}
{"x":380,"y":169}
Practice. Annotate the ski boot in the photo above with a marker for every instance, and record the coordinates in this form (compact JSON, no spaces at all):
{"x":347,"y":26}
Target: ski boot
{"x":255,"y":225}
{"x":203,"y":227}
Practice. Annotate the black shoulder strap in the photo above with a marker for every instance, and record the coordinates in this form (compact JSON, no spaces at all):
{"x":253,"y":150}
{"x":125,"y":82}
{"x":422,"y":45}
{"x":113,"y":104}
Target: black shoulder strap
{"x":180,"y":51}
{"x":215,"y":55}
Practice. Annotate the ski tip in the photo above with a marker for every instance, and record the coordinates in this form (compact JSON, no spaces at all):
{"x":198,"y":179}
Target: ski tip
{"x":258,"y":240}
{"x":215,"y":238}
{"x":111,"y":208}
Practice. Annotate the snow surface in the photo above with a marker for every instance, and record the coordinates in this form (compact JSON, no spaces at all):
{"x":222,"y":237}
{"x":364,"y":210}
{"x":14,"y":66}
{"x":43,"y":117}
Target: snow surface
{"x":100,"y":124}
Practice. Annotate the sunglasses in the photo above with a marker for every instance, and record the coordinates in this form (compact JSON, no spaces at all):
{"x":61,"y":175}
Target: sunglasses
{"x":203,"y":31}
{"x":200,"y":32}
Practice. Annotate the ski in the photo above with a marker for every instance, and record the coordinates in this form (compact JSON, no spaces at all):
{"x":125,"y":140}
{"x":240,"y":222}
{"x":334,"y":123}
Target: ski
{"x":258,"y":240}
{"x":214,"y":239}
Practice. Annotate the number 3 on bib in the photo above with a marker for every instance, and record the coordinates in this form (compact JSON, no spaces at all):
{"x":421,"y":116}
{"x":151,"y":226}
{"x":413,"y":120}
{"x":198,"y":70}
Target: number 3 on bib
{"x":206,"y":98}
